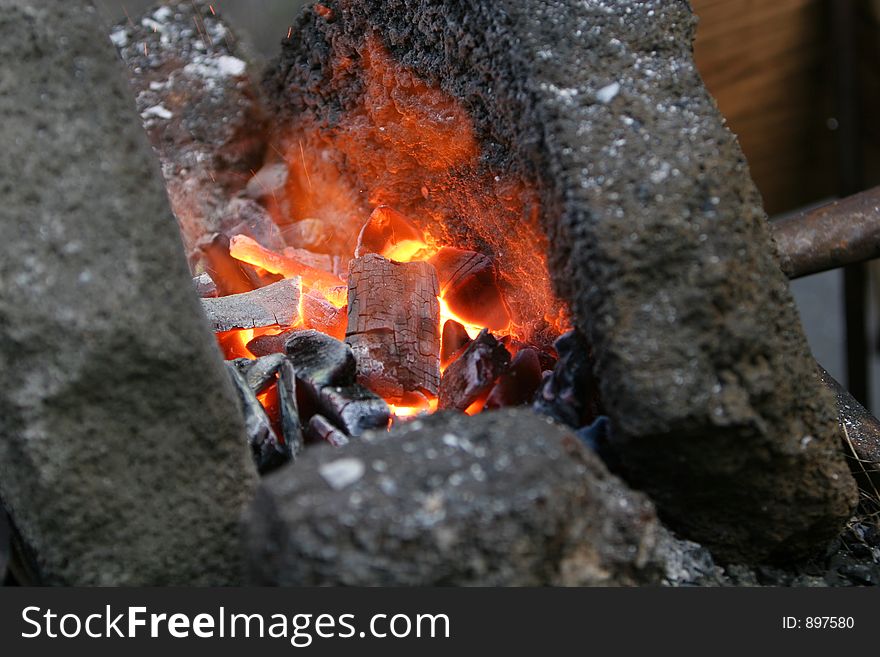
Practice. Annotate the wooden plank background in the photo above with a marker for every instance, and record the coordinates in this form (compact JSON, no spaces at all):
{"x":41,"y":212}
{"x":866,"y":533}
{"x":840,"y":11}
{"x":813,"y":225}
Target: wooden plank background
{"x":769,"y":64}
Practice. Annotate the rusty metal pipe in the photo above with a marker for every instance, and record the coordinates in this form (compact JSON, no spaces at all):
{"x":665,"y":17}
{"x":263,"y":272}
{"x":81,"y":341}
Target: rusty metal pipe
{"x":841,"y":233}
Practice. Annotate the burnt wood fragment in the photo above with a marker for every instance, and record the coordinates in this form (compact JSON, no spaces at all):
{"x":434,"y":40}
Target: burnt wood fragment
{"x":264,"y":345}
{"x":261,"y":373}
{"x":469,"y":285}
{"x":453,"y":340}
{"x":394,"y":326}
{"x":205,"y":286}
{"x":273,"y":305}
{"x":517,"y":386}
{"x":323,"y":316}
{"x":571,"y":394}
{"x":354,"y":409}
{"x":291,"y":425}
{"x":321,"y":360}
{"x":230,"y":275}
{"x":268,"y":451}
{"x":320,"y":429}
{"x":473,"y":374}
{"x":385,"y":229}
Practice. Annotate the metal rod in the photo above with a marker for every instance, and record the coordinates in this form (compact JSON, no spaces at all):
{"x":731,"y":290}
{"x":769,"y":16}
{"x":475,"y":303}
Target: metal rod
{"x":844,"y":232}
{"x":850,"y":172}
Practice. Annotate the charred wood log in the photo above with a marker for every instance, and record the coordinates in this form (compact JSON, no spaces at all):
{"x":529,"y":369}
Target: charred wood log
{"x":291,"y":424}
{"x":273,"y":305}
{"x":394,"y":326}
{"x":268,"y":451}
{"x":469,"y":285}
{"x":571,"y":394}
{"x":518,"y":385}
{"x":199,"y":108}
{"x":453,"y":341}
{"x":473,"y":374}
{"x":320,"y":429}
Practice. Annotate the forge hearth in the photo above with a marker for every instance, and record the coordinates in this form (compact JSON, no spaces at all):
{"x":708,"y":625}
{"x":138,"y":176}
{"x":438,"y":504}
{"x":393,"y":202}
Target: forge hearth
{"x":430,"y":211}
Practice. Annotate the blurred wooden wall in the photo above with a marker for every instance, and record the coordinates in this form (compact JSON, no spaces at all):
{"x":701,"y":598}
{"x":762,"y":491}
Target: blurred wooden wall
{"x":771,"y":66}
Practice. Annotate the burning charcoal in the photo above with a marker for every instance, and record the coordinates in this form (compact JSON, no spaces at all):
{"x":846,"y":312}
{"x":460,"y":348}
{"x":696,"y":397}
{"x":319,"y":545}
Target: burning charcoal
{"x":469,"y":285}
{"x":291,"y":426}
{"x":321,"y":360}
{"x":310,"y":234}
{"x":245,"y":217}
{"x":260,"y":373}
{"x":394,"y":326}
{"x":230,"y":275}
{"x":571,"y":394}
{"x":473,"y":374}
{"x":267,"y":450}
{"x":354,"y":409}
{"x":386,"y":230}
{"x":321,"y":430}
{"x":199,"y":107}
{"x":247,"y":250}
{"x":517,"y":386}
{"x":268,"y":181}
{"x":455,"y":338}
{"x":320,"y":261}
{"x":321,"y":315}
{"x":276,"y":304}
{"x":205,"y":286}
{"x":265,"y":345}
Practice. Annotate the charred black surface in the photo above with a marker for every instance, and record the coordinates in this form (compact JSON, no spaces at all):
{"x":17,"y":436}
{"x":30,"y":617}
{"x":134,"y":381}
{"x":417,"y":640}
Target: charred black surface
{"x":518,"y":385}
{"x":260,"y":373}
{"x":291,"y":424}
{"x":269,"y":453}
{"x":473,"y":374}
{"x":354,"y":409}
{"x":571,"y":394}
{"x":321,"y":430}
{"x":321,"y":360}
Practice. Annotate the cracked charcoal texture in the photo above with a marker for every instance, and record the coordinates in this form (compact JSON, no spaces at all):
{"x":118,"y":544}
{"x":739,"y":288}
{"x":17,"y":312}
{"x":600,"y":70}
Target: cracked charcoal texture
{"x":503,"y":498}
{"x":123,"y":459}
{"x":658,"y":242}
{"x":394,"y":326}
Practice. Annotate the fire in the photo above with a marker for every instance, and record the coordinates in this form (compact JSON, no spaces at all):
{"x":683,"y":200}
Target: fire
{"x":446,"y":314}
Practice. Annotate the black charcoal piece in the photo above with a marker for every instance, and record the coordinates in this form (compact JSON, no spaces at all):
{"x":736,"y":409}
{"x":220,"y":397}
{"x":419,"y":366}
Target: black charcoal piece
{"x":320,"y":360}
{"x":320,"y":429}
{"x":517,"y":386}
{"x":261,"y":373}
{"x":473,"y":374}
{"x":571,"y":394}
{"x":291,"y":425}
{"x":452,"y":342}
{"x":354,"y":408}
{"x":268,"y":452}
